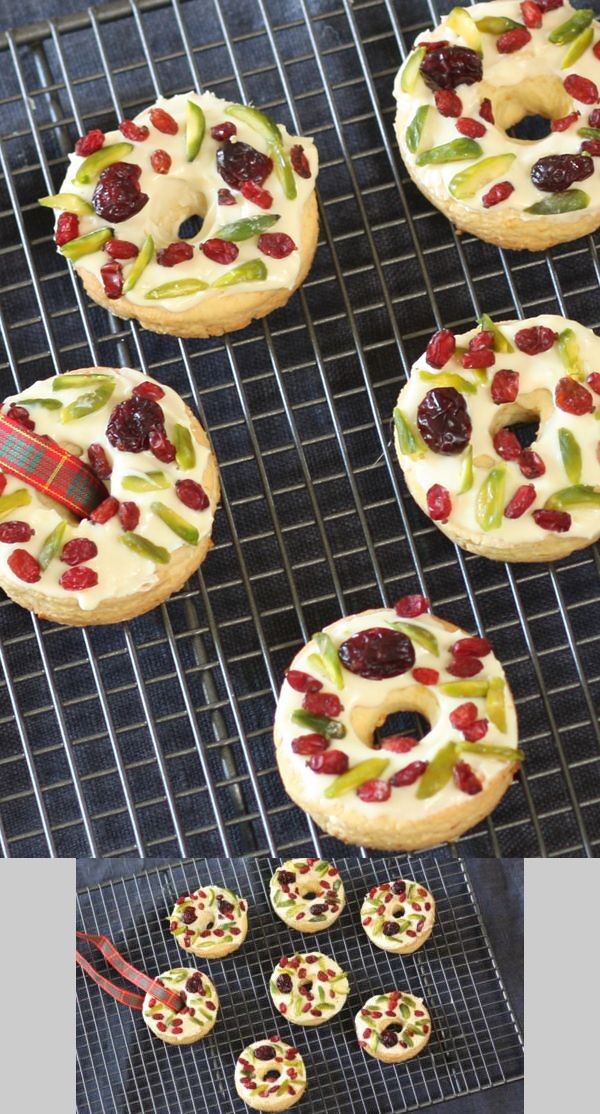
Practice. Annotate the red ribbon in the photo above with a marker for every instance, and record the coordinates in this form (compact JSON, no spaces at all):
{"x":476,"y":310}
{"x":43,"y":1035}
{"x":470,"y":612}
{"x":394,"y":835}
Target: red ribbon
{"x":42,"y":463}
{"x":169,"y":998}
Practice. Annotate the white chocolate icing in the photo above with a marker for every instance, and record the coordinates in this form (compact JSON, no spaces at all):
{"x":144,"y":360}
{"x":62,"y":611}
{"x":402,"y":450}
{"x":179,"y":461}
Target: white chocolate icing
{"x":359,"y":692}
{"x":536,"y":59}
{"x":191,"y":188}
{"x":121,"y":572}
{"x":536,"y":373}
{"x":197,"y":1017}
{"x":328,"y":993}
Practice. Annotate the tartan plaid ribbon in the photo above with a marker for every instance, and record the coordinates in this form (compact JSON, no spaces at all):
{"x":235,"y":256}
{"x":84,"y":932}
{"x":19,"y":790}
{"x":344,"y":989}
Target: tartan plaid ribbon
{"x":43,"y":464}
{"x":169,"y":998}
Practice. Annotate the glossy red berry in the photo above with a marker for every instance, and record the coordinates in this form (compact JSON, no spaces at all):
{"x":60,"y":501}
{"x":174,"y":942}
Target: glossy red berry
{"x":374,"y":790}
{"x":594,"y":118}
{"x":299,"y":161}
{"x":78,"y":550}
{"x":532,"y":14}
{"x":121,"y":249}
{"x":163,"y":121}
{"x":148,"y":389}
{"x":591,"y":147}
{"x":224,"y":130}
{"x":105,"y":510}
{"x":134,"y":132}
{"x":486,"y":111}
{"x":11,"y":532}
{"x":178,"y":252}
{"x":439,"y":503}
{"x":500,"y":192}
{"x":220,"y":251}
{"x":446,"y":67}
{"x":129,"y":515}
{"x":160,"y":446}
{"x":252,"y":192}
{"x":89,"y":143}
{"x":507,"y":444}
{"x":522,"y":499}
{"x":410,"y":606}
{"x":160,"y":161}
{"x":555,"y":173}
{"x":443,"y":420}
{"x":67,"y":228}
{"x":192,"y":495}
{"x":79,"y":578}
{"x":117,"y":195}
{"x":581,"y":88}
{"x":476,"y":730}
{"x":531,"y":464}
{"x":558,"y":521}
{"x":225,"y":197}
{"x":447,"y":102}
{"x":20,"y":416}
{"x":277,"y":245}
{"x":573,"y":397}
{"x":426,"y":676}
{"x":471,"y":647}
{"x":465,"y":666}
{"x":464,"y":715}
{"x":322,"y":704}
{"x":399,"y":744}
{"x":483,"y":339}
{"x":440,"y":349}
{"x":408,"y":775}
{"x":377,"y":653}
{"x":549,"y":5}
{"x":112,"y":279}
{"x":473,"y":128}
{"x":481,"y":357}
{"x":565,"y":122}
{"x":329,"y":762}
{"x":310,"y":744}
{"x":536,"y":339}
{"x":512,"y":40}
{"x":23,"y":565}
{"x":302,"y":682}
{"x":593,"y":381}
{"x":466,"y":779}
{"x":505,"y":386}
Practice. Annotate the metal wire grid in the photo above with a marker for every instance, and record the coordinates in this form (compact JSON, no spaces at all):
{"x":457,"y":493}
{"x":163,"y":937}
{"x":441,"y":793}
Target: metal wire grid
{"x":155,"y":736}
{"x":475,"y":1044}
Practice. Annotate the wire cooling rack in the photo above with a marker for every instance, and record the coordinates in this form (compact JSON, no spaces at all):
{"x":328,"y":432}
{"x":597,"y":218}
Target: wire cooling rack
{"x":155,"y":736}
{"x":475,"y":1043}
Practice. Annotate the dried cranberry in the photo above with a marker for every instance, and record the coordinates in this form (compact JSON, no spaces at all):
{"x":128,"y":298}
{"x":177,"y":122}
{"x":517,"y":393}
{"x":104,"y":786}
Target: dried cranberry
{"x":466,"y":780}
{"x":192,"y":495}
{"x":434,"y":45}
{"x":256,"y":194}
{"x":465,"y":666}
{"x":318,"y":909}
{"x":322,"y":704}
{"x":178,"y":252}
{"x":129,"y":515}
{"x":285,"y":877}
{"x":399,"y":744}
{"x":20,"y":416}
{"x":532,"y":14}
{"x":117,"y":195}
{"x":90,"y":142}
{"x":121,"y":249}
{"x":374,"y":790}
{"x":302,"y":682}
{"x":78,"y":578}
{"x":475,"y":647}
{"x":531,"y":464}
{"x":134,"y":132}
{"x":593,"y":118}
{"x":225,"y":197}
{"x":507,"y":444}
{"x":440,"y":349}
{"x":265,"y":1052}
{"x":224,"y":130}
{"x":593,"y":380}
{"x":496,"y":194}
{"x":426,"y":676}
{"x":131,"y":423}
{"x":549,"y":5}
{"x":522,"y":499}
{"x":448,"y":103}
{"x":239,"y":162}
{"x":486,"y":111}
{"x":194,"y":984}
{"x":67,"y":228}
{"x":391,"y":928}
{"x":284,"y":984}
{"x":299,"y":161}
{"x":505,"y":386}
{"x":163,"y":121}
{"x":443,"y":421}
{"x":591,"y":147}
{"x":573,"y":397}
{"x":15,"y":532}
{"x":512,"y":40}
{"x":408,"y":775}
{"x":148,"y":389}
{"x":105,"y":510}
{"x":112,"y":279}
{"x":389,"y":1038}
{"x":399,"y":887}
{"x":467,"y":126}
{"x":464,"y":715}
{"x":555,"y":173}
{"x":564,"y":122}
{"x":277,"y":245}
{"x":160,"y":161}
{"x":160,"y":446}
{"x":189,"y":915}
{"x":449,"y":66}
{"x":331,"y":762}
{"x":220,"y":251}
{"x":476,"y":730}
{"x":225,"y":907}
{"x":581,"y":88}
{"x":482,"y":357}
{"x":78,"y":550}
{"x":536,"y":339}
{"x":439,"y":503}
{"x":310,"y":744}
{"x":558,"y":521}
{"x":24,"y":566}
{"x":377,"y":653}
{"x":408,"y":607}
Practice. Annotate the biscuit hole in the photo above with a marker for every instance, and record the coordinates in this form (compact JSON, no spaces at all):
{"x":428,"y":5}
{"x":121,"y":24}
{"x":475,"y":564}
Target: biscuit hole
{"x":526,"y":432}
{"x":399,"y":913}
{"x":394,"y":1027}
{"x":402,"y":723}
{"x":190,"y":227}
{"x":309,"y":895}
{"x":530,"y":128}
{"x":271,"y":1076}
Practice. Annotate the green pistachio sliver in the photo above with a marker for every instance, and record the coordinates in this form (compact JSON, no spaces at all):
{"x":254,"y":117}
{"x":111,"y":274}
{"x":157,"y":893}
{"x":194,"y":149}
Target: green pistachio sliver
{"x":501,"y":342}
{"x":466,"y":472}
{"x":410,"y":70}
{"x":283,"y":169}
{"x":85,"y":245}
{"x":492,"y":750}
{"x":70,"y":202}
{"x":577,"y":48}
{"x":257,"y":120}
{"x":457,"y":150}
{"x":414,"y":131}
{"x":462,"y":23}
{"x":571,"y":28}
{"x":579,"y":495}
{"x":420,"y":635}
{"x":195,"y":126}
{"x":570,"y":354}
{"x":449,"y":379}
{"x":330,"y":659}
{"x":180,"y":288}
{"x":438,"y":772}
{"x":246,"y":227}
{"x":47,"y":403}
{"x":68,"y":382}
{"x":404,"y":1010}
{"x":408,"y":1040}
{"x":490,"y":499}
{"x":374,"y":1040}
{"x":151,"y":481}
{"x":571,"y":454}
{"x":19,"y":498}
{"x":495,"y":702}
{"x":51,"y":545}
{"x":140,"y":263}
{"x":180,"y":526}
{"x":364,"y":771}
{"x":253,"y":270}
{"x":145,"y":548}
{"x":589,"y":133}
{"x":92,"y":166}
{"x":409,"y":440}
{"x":185,"y":454}
{"x":403,"y":925}
{"x":497,"y":25}
{"x":464,"y":688}
{"x":566,"y":202}
{"x":323,"y":725}
{"x":468,"y":182}
{"x":87,"y":403}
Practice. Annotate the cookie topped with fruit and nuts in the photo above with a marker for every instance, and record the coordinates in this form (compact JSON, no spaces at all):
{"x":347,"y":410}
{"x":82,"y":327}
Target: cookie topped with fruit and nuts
{"x":210,"y":922}
{"x":270,"y":1075}
{"x":392,"y":791}
{"x":463,"y":90}
{"x":194,"y":218}
{"x":308,"y":989}
{"x":308,"y":894}
{"x":393,"y":1027}
{"x":197,"y":1014}
{"x":498,"y":436}
{"x":398,"y":916}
